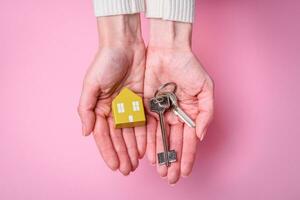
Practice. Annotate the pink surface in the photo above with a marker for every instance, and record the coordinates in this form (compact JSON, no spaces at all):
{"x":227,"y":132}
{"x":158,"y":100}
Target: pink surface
{"x":251,"y":48}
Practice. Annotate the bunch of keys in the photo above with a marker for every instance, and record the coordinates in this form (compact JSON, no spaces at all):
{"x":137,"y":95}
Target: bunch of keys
{"x":162,"y":101}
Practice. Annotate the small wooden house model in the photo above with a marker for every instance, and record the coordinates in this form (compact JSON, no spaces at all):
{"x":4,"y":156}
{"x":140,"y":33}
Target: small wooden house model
{"x":128,"y":109}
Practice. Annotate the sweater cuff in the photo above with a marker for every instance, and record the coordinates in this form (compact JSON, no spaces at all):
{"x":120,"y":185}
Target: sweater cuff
{"x":175,"y":10}
{"x":117,"y":7}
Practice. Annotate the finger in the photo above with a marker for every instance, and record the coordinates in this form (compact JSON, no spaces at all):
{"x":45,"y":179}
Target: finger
{"x":129,"y":138}
{"x":141,"y":139}
{"x":87,"y":103}
{"x":206,"y":107}
{"x":151,"y":139}
{"x":188,"y":150}
{"x":120,"y":148}
{"x":161,"y":169}
{"x":104,"y":143}
{"x":176,"y":141}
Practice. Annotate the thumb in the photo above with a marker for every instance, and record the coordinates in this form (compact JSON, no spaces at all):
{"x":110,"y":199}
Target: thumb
{"x":206,"y":108}
{"x":88,"y":100}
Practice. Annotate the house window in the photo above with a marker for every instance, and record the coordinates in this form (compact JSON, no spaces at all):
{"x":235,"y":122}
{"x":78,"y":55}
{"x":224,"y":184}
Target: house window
{"x":120,"y":107}
{"x":135,"y":106}
{"x":130,"y":118}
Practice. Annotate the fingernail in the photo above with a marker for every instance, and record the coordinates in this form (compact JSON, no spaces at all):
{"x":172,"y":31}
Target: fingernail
{"x":203,"y":134}
{"x":172,"y":184}
{"x":183,"y":176}
{"x":134,"y":168}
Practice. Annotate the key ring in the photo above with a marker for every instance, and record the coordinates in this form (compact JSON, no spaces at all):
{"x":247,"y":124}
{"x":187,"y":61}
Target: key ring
{"x":163,"y":86}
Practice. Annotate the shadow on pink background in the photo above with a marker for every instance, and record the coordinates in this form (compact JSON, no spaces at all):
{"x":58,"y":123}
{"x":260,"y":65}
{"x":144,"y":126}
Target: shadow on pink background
{"x":250,"y":48}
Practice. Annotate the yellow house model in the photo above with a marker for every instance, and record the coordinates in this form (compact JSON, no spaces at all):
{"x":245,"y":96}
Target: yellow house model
{"x":128,"y":109}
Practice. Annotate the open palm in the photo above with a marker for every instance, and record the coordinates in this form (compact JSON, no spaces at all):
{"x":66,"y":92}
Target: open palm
{"x":195,"y":97}
{"x":112,"y":69}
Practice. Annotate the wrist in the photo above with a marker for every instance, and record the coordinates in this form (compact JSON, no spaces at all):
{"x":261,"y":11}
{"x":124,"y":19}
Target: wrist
{"x":119,"y":30}
{"x":170,"y":34}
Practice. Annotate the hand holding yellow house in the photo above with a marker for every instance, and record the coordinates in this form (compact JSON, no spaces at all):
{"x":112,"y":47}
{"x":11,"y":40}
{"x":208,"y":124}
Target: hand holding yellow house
{"x":128,"y":109}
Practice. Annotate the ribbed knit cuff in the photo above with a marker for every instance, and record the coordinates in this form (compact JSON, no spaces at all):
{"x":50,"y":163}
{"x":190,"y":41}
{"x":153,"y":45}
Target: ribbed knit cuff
{"x":117,"y":7}
{"x":175,"y":10}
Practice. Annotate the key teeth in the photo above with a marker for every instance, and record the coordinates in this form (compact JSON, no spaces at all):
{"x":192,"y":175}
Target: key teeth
{"x":161,"y":158}
{"x":171,"y":155}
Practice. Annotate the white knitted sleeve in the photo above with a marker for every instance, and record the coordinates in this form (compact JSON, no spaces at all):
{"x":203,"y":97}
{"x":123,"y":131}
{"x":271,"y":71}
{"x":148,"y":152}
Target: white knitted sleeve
{"x":175,"y":10}
{"x":117,"y":7}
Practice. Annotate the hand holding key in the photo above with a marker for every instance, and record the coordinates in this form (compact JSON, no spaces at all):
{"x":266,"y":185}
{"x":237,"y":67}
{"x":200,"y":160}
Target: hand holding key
{"x":172,"y":60}
{"x":188,"y":119}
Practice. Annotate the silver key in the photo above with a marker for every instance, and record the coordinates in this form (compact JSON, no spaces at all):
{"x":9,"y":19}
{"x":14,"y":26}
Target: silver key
{"x":159,"y":105}
{"x":179,"y":112}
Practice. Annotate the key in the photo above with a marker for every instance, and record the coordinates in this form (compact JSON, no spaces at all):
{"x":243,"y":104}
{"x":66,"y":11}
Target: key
{"x":179,"y":112}
{"x":159,"y":105}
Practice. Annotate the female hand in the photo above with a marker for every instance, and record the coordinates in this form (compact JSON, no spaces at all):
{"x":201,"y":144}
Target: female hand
{"x":170,"y":59}
{"x":119,"y":62}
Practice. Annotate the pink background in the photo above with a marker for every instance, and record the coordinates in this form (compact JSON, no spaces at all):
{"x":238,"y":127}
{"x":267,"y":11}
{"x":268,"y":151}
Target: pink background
{"x":251,"y":49}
